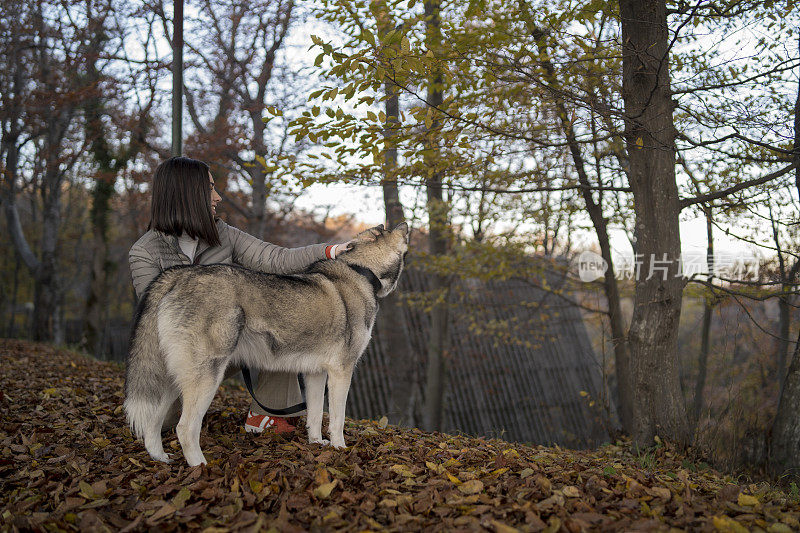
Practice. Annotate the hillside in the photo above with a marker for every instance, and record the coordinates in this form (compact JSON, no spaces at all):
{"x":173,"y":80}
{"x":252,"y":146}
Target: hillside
{"x":68,"y":462}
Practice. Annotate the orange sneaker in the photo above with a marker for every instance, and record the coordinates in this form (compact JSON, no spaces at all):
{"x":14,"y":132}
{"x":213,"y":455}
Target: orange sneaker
{"x":258,"y":423}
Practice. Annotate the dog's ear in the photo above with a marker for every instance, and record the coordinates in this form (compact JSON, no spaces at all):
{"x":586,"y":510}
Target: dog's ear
{"x":402,"y":228}
{"x":370,"y":235}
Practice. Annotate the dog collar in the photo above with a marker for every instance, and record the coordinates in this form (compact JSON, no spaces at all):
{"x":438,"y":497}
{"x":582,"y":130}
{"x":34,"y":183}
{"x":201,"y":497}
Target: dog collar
{"x":370,"y":275}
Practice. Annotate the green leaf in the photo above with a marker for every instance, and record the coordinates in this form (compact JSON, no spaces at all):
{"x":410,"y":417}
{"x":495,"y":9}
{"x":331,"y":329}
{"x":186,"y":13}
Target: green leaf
{"x":366,"y":35}
{"x":180,"y":499}
{"x":86,"y":490}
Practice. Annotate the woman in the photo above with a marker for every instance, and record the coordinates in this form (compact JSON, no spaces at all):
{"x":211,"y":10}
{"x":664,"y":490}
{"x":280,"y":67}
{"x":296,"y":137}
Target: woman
{"x":184,"y":229}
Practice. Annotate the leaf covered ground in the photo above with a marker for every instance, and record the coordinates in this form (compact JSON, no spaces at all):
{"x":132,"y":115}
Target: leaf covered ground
{"x":68,"y":462}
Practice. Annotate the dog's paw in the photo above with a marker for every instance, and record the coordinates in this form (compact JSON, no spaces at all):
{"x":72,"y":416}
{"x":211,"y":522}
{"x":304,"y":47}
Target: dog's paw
{"x":164,"y":458}
{"x":339,"y":445}
{"x":324,"y":442}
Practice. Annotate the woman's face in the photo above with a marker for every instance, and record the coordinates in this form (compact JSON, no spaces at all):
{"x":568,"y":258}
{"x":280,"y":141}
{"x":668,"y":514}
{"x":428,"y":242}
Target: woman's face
{"x":215,"y":198}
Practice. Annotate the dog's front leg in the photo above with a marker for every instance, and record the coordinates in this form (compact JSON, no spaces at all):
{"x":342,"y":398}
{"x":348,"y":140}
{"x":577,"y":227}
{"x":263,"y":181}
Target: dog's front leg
{"x":315,"y":397}
{"x":338,"y":387}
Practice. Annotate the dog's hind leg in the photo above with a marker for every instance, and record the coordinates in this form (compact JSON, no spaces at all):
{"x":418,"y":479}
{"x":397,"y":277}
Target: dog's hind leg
{"x":197,"y":392}
{"x":338,"y":387}
{"x":152,"y":430}
{"x":315,"y":397}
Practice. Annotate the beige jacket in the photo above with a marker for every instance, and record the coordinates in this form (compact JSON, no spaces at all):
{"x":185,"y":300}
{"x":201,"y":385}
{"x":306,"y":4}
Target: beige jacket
{"x":156,"y":251}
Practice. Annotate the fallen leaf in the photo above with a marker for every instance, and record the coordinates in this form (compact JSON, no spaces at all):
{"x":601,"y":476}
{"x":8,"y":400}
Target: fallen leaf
{"x":403,"y":470}
{"x":525,"y":472}
{"x":473,"y":486}
{"x":165,"y":510}
{"x":180,"y":499}
{"x":571,"y":491}
{"x":500,"y":527}
{"x":324,"y":491}
{"x":746,"y":500}
{"x":659,"y":492}
{"x":726,"y":524}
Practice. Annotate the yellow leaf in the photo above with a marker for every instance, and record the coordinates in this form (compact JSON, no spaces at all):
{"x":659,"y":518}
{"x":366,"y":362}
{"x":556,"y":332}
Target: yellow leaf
{"x":383,"y":422}
{"x":745,"y":500}
{"x":452,"y":478}
{"x":639,"y":142}
{"x":473,"y":486}
{"x":323,"y":491}
{"x":725,"y":524}
{"x":500,"y":527}
{"x":433,"y":466}
{"x":403,"y":470}
{"x":553,"y":525}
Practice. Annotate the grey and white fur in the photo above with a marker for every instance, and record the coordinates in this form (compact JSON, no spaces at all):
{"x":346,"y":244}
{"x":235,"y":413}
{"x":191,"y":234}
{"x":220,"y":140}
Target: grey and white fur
{"x":194,"y":322}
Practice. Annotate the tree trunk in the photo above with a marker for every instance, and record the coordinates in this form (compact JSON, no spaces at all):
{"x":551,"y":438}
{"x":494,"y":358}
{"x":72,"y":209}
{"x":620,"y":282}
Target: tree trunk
{"x":650,"y":134}
{"x":392,"y":324}
{"x":46,"y":287}
{"x":784,"y":318}
{"x":784,"y":456}
{"x":10,"y":331}
{"x":97,"y":301}
{"x":436,"y":376}
{"x":705,"y":337}
{"x":785,"y":444}
{"x":108,"y":164}
{"x":595,"y":210}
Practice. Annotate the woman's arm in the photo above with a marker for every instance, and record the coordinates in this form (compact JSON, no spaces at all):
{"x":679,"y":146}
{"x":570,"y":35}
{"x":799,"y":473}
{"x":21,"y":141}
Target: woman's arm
{"x":144,"y":269}
{"x":254,"y":253}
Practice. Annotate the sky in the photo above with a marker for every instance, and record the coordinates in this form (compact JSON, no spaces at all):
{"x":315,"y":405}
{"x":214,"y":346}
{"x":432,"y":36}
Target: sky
{"x":366,"y":203}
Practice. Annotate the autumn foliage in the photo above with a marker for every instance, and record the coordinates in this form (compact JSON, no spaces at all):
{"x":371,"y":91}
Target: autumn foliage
{"x":68,"y":462}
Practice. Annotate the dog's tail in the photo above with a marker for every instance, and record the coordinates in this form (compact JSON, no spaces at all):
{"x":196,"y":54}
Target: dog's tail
{"x":148,"y":384}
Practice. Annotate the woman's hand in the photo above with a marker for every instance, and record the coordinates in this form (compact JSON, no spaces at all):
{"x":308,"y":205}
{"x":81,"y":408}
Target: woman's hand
{"x":368,"y":235}
{"x":337,"y":249}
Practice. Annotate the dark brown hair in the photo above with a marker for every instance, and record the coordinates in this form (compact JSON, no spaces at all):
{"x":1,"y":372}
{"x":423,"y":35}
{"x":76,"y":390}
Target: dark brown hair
{"x":181,"y":200}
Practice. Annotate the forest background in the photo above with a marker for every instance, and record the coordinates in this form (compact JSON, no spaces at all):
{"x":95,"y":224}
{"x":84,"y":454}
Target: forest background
{"x":514,"y":137}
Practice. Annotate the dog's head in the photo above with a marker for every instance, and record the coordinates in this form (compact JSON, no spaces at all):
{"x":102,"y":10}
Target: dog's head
{"x":383,"y":252}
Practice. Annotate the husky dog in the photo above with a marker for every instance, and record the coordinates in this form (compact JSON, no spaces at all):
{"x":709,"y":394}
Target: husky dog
{"x":195,"y":321}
